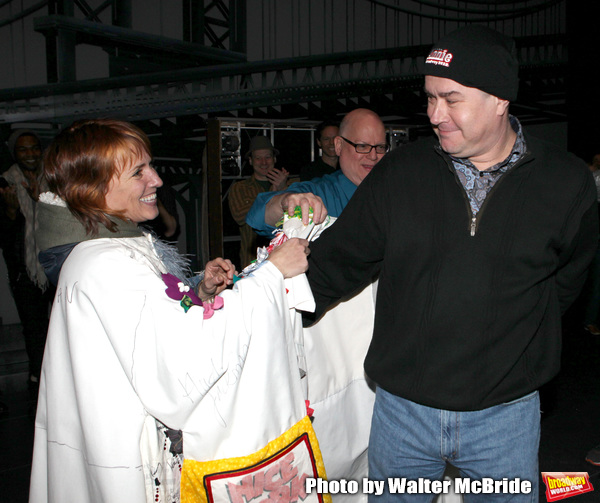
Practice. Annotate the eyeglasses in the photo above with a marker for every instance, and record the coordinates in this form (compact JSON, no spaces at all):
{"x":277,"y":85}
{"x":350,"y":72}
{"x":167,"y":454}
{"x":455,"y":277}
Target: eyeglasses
{"x":365,"y":148}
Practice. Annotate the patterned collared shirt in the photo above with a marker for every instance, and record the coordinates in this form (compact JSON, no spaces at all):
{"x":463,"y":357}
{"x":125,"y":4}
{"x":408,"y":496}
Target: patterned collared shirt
{"x":478,"y":184}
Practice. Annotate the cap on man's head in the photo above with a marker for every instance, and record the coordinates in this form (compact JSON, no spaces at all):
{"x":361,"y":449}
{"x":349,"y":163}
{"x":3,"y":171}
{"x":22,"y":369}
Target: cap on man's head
{"x":260,"y":143}
{"x":477,"y":56}
{"x":15,"y":135}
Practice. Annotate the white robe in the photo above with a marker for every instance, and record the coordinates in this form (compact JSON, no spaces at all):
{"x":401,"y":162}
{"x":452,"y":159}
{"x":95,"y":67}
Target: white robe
{"x":120,"y":350}
{"x":341,"y":394}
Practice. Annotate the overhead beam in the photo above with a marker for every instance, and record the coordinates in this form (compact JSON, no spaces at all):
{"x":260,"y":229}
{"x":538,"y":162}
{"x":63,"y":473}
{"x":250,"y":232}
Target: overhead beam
{"x":150,"y":46}
{"x":246,"y":86}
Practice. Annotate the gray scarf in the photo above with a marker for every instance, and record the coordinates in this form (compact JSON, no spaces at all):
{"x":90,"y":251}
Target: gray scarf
{"x":57,"y":227}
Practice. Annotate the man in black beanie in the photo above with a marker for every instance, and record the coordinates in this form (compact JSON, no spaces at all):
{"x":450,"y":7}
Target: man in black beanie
{"x":481,"y":236}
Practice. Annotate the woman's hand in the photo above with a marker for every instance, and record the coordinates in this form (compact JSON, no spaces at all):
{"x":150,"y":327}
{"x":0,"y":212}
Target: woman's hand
{"x":218,"y":275}
{"x":291,"y":257}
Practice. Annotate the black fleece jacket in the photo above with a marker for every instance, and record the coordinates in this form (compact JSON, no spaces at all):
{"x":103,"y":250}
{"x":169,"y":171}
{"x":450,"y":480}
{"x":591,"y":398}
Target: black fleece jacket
{"x":466,"y":317}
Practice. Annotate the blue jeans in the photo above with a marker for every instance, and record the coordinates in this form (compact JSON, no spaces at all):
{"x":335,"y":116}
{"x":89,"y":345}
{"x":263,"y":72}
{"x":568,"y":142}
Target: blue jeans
{"x":414,"y":441}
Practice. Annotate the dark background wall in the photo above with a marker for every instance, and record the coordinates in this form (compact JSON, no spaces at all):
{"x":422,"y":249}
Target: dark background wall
{"x":583,"y":83}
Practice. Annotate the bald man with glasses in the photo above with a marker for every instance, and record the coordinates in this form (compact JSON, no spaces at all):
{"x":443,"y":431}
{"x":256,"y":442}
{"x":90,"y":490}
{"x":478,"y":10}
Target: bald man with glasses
{"x":360,"y":146}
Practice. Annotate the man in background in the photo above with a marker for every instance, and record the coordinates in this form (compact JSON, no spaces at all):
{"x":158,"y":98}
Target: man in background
{"x":360,"y":145}
{"x":262,"y":156}
{"x":327,"y":162}
{"x":28,"y":283}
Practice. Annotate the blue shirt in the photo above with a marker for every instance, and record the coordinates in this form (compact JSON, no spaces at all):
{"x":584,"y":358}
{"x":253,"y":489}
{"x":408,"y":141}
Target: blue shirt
{"x":335,"y":190}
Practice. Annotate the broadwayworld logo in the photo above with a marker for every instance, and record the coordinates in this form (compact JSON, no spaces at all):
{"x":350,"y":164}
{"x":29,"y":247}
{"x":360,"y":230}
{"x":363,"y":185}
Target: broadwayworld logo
{"x":561,"y":485}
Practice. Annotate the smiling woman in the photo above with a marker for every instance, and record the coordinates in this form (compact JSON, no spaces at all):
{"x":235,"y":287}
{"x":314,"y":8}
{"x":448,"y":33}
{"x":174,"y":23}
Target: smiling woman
{"x":132,"y":192}
{"x":100,"y":167}
{"x":136,"y":341}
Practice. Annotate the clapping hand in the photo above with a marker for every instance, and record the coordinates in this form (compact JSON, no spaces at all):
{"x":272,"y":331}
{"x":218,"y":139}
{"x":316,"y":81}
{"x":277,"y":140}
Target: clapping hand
{"x":278,"y":178}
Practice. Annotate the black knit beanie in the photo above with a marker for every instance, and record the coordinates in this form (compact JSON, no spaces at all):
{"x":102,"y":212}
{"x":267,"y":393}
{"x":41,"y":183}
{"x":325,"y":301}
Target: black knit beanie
{"x":477,"y":56}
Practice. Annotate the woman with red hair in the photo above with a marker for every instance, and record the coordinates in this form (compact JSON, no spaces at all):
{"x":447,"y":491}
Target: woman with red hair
{"x":136,"y":343}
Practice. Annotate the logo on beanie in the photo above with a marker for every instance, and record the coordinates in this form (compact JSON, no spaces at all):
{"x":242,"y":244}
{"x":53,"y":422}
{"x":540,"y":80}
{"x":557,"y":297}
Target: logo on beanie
{"x":439,"y":57}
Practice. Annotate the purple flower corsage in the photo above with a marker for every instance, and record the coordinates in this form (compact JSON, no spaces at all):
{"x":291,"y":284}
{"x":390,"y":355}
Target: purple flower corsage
{"x":178,"y":290}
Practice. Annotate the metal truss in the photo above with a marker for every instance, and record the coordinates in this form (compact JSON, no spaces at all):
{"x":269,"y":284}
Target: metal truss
{"x":244,"y":86}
